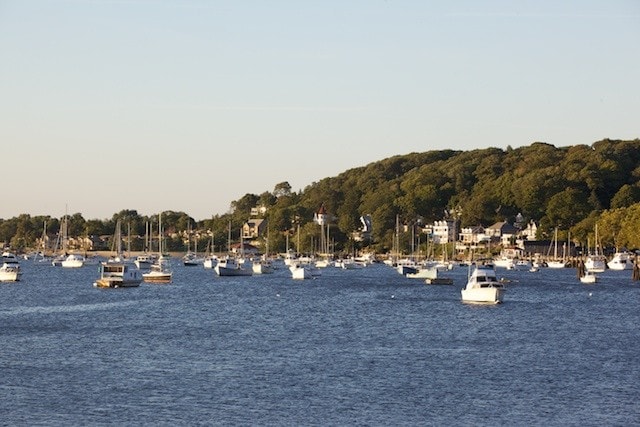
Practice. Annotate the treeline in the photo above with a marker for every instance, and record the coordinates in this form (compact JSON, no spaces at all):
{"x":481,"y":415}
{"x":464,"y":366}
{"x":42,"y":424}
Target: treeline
{"x":571,"y":188}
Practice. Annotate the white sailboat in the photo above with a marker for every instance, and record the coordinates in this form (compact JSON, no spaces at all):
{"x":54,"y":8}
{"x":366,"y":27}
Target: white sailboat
{"x":160,"y":270}
{"x":596,"y":262}
{"x":60,"y":249}
{"x":263,"y":265}
{"x":191,"y":259}
{"x":144,"y":260}
{"x":210,"y":260}
{"x":555,"y":262}
{"x":117,"y":272}
{"x":229,"y":265}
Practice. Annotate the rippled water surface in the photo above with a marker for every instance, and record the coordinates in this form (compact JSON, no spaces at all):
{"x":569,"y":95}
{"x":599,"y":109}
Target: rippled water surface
{"x":352,"y":347}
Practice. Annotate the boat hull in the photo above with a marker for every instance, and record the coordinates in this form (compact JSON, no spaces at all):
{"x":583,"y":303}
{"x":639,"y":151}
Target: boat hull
{"x":482,"y":295}
{"x":118,"y":275}
{"x":556,"y":264}
{"x":260,"y":268}
{"x":231,"y":272}
{"x":117,"y":283}
{"x":10,"y":275}
{"x":154,"y":277}
{"x":424,"y":273}
{"x":300,"y":273}
{"x":589,"y":278}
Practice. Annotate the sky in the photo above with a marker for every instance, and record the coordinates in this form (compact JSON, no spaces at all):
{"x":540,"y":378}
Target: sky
{"x":188,"y":105}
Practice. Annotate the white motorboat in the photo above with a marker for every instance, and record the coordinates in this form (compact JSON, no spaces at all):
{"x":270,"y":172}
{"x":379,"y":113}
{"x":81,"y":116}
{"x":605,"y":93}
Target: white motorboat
{"x":620,"y":261}
{"x":210,"y":261}
{"x":191,"y":259}
{"x":523,"y":264}
{"x":556,"y":264}
{"x":73,"y":261}
{"x":10,"y":257}
{"x":10,"y":267}
{"x":483,"y":287}
{"x":159,"y":272}
{"x":406,"y":266}
{"x":145,"y":260}
{"x":504,"y":262}
{"x":300,"y":272}
{"x":262,"y":266}
{"x":347,"y":264}
{"x":118,"y":275}
{"x":325,"y":263}
{"x":424,"y":273}
{"x":596,"y":263}
{"x":10,"y":272}
{"x":588,"y":277}
{"x":230,"y":267}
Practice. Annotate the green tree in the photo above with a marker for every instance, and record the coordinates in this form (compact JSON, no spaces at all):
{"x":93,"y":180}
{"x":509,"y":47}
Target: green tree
{"x":626,"y":196}
{"x":568,"y":207}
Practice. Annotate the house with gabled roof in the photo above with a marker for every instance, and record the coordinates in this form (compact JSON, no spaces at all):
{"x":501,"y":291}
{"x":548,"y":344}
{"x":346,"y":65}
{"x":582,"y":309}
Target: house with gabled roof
{"x":253,"y":228}
{"x":502,"y":231}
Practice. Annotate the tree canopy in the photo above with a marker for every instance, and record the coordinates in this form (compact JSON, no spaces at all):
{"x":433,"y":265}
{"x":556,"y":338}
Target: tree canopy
{"x":571,"y":188}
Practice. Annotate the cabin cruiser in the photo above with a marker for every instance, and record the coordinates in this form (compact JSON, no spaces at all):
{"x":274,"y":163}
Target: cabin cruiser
{"x":9,"y":268}
{"x":118,"y":275}
{"x":159,"y":272}
{"x":620,"y":261}
{"x":73,"y":261}
{"x":483,"y":286}
{"x":230,"y":267}
{"x":300,"y":272}
{"x":144,"y":261}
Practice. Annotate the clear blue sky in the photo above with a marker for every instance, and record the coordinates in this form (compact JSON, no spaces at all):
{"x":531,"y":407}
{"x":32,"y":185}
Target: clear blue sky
{"x":187,"y":105}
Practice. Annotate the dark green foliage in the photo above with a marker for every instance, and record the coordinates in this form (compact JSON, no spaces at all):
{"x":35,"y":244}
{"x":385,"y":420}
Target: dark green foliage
{"x":565,"y":187}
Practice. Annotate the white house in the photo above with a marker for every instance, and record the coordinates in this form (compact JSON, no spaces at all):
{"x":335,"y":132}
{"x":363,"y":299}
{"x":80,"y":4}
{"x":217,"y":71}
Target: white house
{"x":529,"y":232}
{"x":473,"y":235}
{"x":444,"y":232}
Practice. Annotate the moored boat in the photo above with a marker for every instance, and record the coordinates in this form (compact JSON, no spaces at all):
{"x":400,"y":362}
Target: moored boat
{"x":424,"y":272}
{"x":483,"y":287}
{"x":588,"y":277}
{"x":73,"y":261}
{"x":191,"y":259}
{"x":10,"y":267}
{"x":159,"y":272}
{"x":145,"y":260}
{"x":210,"y":261}
{"x":596,"y":262}
{"x":406,"y":266}
{"x":262,"y":266}
{"x":620,"y":261}
{"x":231,"y":267}
{"x":118,"y":275}
{"x":300,"y":272}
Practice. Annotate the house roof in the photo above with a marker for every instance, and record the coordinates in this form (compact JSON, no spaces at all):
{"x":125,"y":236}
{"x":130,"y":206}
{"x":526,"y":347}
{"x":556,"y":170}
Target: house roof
{"x":504,"y":227}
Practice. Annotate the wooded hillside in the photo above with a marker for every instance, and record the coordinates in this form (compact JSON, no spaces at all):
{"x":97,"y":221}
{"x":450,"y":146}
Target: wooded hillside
{"x":566,"y":187}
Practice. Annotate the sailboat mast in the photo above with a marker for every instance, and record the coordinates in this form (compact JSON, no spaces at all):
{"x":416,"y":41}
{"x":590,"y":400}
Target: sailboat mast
{"x":160,"y":234}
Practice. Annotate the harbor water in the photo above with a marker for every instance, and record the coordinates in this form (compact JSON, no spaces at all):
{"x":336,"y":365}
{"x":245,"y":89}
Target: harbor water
{"x":351,"y":347}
